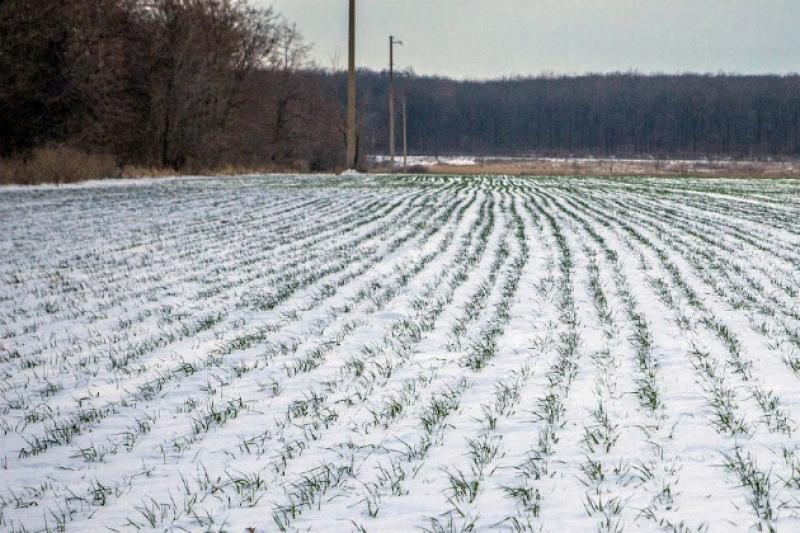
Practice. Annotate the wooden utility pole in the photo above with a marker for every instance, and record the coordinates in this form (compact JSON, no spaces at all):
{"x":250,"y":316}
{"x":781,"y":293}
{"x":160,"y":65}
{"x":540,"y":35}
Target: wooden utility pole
{"x":392,"y":42}
{"x":405,"y":136}
{"x":351,"y":90}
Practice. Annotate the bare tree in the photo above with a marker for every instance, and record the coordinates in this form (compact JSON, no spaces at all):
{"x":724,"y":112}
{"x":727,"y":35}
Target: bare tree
{"x":202,"y":53}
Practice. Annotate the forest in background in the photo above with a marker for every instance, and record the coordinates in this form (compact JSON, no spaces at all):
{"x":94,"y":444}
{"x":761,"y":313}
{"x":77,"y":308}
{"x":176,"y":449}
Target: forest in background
{"x":598,"y":115}
{"x":96,"y":87}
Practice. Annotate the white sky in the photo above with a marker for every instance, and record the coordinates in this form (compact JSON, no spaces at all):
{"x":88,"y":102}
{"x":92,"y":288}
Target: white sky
{"x":493,"y":38}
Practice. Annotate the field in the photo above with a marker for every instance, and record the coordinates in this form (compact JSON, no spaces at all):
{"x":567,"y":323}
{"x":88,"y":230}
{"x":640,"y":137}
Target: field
{"x":581,"y":166}
{"x":401,"y":354}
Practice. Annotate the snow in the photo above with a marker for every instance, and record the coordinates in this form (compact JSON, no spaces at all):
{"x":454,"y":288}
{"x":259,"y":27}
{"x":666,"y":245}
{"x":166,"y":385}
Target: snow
{"x":400,"y":353}
{"x":427,"y":161}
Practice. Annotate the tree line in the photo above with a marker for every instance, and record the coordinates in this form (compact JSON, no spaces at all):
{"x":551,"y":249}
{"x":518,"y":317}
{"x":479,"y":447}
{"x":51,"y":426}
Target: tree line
{"x":168,"y":83}
{"x":624,"y":115}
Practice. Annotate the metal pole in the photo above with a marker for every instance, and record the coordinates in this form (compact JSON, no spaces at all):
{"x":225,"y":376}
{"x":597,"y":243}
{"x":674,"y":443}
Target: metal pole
{"x":351,"y":90}
{"x":405,"y":137}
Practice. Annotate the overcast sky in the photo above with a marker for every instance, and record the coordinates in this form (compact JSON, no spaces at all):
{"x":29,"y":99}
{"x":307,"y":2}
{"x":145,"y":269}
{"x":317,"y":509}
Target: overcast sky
{"x":493,"y":38}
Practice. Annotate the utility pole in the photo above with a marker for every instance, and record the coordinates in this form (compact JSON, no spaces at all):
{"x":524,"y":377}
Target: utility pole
{"x":351,"y":90}
{"x":392,"y":42}
{"x":405,"y":137}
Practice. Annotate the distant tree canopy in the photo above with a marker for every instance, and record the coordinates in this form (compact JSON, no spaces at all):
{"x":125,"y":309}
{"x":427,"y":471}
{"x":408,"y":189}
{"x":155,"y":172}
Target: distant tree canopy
{"x":599,"y":115}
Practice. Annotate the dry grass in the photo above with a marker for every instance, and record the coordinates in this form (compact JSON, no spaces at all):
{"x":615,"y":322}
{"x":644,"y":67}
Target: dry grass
{"x":139,"y":171}
{"x":609,"y":167}
{"x":64,"y":164}
{"x":228,"y":169}
{"x":57,"y":164}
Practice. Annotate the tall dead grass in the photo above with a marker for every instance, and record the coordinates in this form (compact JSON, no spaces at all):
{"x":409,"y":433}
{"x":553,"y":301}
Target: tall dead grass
{"x":57,"y":164}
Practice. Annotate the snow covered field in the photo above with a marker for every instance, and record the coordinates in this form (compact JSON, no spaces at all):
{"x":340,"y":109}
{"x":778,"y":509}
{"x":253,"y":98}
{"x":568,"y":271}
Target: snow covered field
{"x":401,"y":354}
